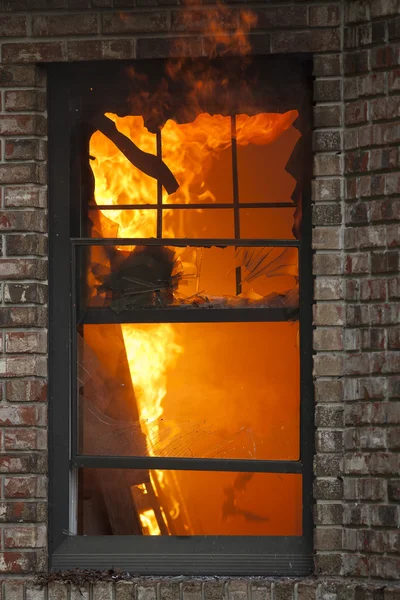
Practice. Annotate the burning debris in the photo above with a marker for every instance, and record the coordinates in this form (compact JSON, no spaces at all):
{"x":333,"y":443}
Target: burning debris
{"x":143,"y":277}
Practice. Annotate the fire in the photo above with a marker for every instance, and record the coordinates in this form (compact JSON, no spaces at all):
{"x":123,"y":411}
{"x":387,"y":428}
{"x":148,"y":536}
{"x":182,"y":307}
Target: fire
{"x":150,"y":352}
{"x":188,"y":150}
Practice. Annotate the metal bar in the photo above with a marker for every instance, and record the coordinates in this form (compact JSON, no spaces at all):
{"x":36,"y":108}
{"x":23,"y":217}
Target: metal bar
{"x":159,"y":188}
{"x":182,"y":242}
{"x":95,"y":316}
{"x":186,"y":464}
{"x":73,"y":353}
{"x":180,"y":206}
{"x":236,"y":213}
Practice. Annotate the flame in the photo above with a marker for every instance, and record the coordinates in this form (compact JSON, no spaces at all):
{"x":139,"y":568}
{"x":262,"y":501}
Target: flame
{"x":189,"y":150}
{"x":149,"y":523}
{"x":150,"y":352}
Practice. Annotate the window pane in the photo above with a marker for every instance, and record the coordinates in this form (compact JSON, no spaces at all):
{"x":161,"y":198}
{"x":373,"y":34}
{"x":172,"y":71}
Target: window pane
{"x":204,"y":390}
{"x":207,"y":223}
{"x":123,"y":502}
{"x":112,"y":223}
{"x":267,"y":223}
{"x":261,"y":169}
{"x":159,"y":276}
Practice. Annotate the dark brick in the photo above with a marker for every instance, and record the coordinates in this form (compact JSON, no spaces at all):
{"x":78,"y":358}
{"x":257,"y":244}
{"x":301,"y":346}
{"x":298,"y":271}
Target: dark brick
{"x":23,"y":316}
{"x":327,"y":65}
{"x":326,"y":141}
{"x":20,"y":293}
{"x":165,"y":47}
{"x":18,"y":76}
{"x":12,"y":26}
{"x":356,"y":112}
{"x":394,"y":490}
{"x":327,"y":90}
{"x":327,"y":116}
{"x":384,"y":262}
{"x":34,"y":52}
{"x":327,"y":214}
{"x":25,"y":149}
{"x":394,"y":28}
{"x":324,"y":16}
{"x":78,"y":24}
{"x":26,"y":244}
{"x":328,"y":489}
{"x":203,"y":20}
{"x":120,"y":23}
{"x":287,"y":16}
{"x":305,"y":41}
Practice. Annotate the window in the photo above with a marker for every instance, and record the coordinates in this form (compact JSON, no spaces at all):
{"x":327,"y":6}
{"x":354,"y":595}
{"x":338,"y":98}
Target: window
{"x":180,"y":377}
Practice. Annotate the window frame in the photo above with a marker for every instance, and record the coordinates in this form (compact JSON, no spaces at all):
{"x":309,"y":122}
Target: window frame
{"x":68,"y":101}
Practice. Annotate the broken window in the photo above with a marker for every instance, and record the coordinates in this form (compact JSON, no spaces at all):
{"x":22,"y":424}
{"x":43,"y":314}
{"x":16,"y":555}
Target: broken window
{"x":186,"y":339}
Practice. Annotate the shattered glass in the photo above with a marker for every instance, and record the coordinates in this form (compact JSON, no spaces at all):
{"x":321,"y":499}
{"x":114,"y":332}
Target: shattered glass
{"x":130,"y":404}
{"x":163,"y":276}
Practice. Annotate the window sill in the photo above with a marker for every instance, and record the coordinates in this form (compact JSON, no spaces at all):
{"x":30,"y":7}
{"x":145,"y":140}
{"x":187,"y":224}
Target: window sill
{"x":208,"y":555}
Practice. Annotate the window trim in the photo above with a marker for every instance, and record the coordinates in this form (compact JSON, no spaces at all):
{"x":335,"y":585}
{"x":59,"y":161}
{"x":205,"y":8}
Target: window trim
{"x":213,"y":555}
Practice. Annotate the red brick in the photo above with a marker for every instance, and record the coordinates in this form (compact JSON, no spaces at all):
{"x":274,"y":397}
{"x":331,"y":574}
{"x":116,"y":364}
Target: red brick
{"x":25,"y":537}
{"x":22,"y":221}
{"x":34,"y":52}
{"x":84,"y":49}
{"x":25,"y":149}
{"x":27,"y":268}
{"x":25,"y":196}
{"x":21,"y":293}
{"x":385,"y":108}
{"x":25,"y":439}
{"x":30,"y":486}
{"x":78,"y":24}
{"x":23,"y":316}
{"x":26,"y":244}
{"x":18,"y":173}
{"x":22,"y":124}
{"x":26,"y":342}
{"x":20,"y":512}
{"x":118,"y":49}
{"x":135,"y":22}
{"x":16,"y":100}
{"x":20,"y":415}
{"x":17,"y":562}
{"x":19,"y":76}
{"x":21,"y":366}
{"x":356,"y":112}
{"x":26,"y":390}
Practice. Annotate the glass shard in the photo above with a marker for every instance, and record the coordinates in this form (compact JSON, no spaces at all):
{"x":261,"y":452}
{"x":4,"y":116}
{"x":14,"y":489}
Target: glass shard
{"x":153,"y":276}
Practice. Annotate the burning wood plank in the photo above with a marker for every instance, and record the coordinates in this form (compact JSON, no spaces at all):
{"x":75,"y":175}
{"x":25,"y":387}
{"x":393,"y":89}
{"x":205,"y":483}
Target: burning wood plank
{"x":148,"y":163}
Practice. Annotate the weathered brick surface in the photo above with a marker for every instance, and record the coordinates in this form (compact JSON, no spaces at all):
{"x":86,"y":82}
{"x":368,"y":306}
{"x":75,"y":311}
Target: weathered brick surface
{"x":356,"y":213}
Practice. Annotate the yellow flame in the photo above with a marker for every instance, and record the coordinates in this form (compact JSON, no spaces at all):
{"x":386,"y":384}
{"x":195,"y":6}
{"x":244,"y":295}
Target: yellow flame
{"x":149,"y":523}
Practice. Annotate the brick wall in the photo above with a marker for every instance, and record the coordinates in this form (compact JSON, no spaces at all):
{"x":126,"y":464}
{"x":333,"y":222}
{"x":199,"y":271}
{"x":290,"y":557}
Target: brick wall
{"x":356,"y":210}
